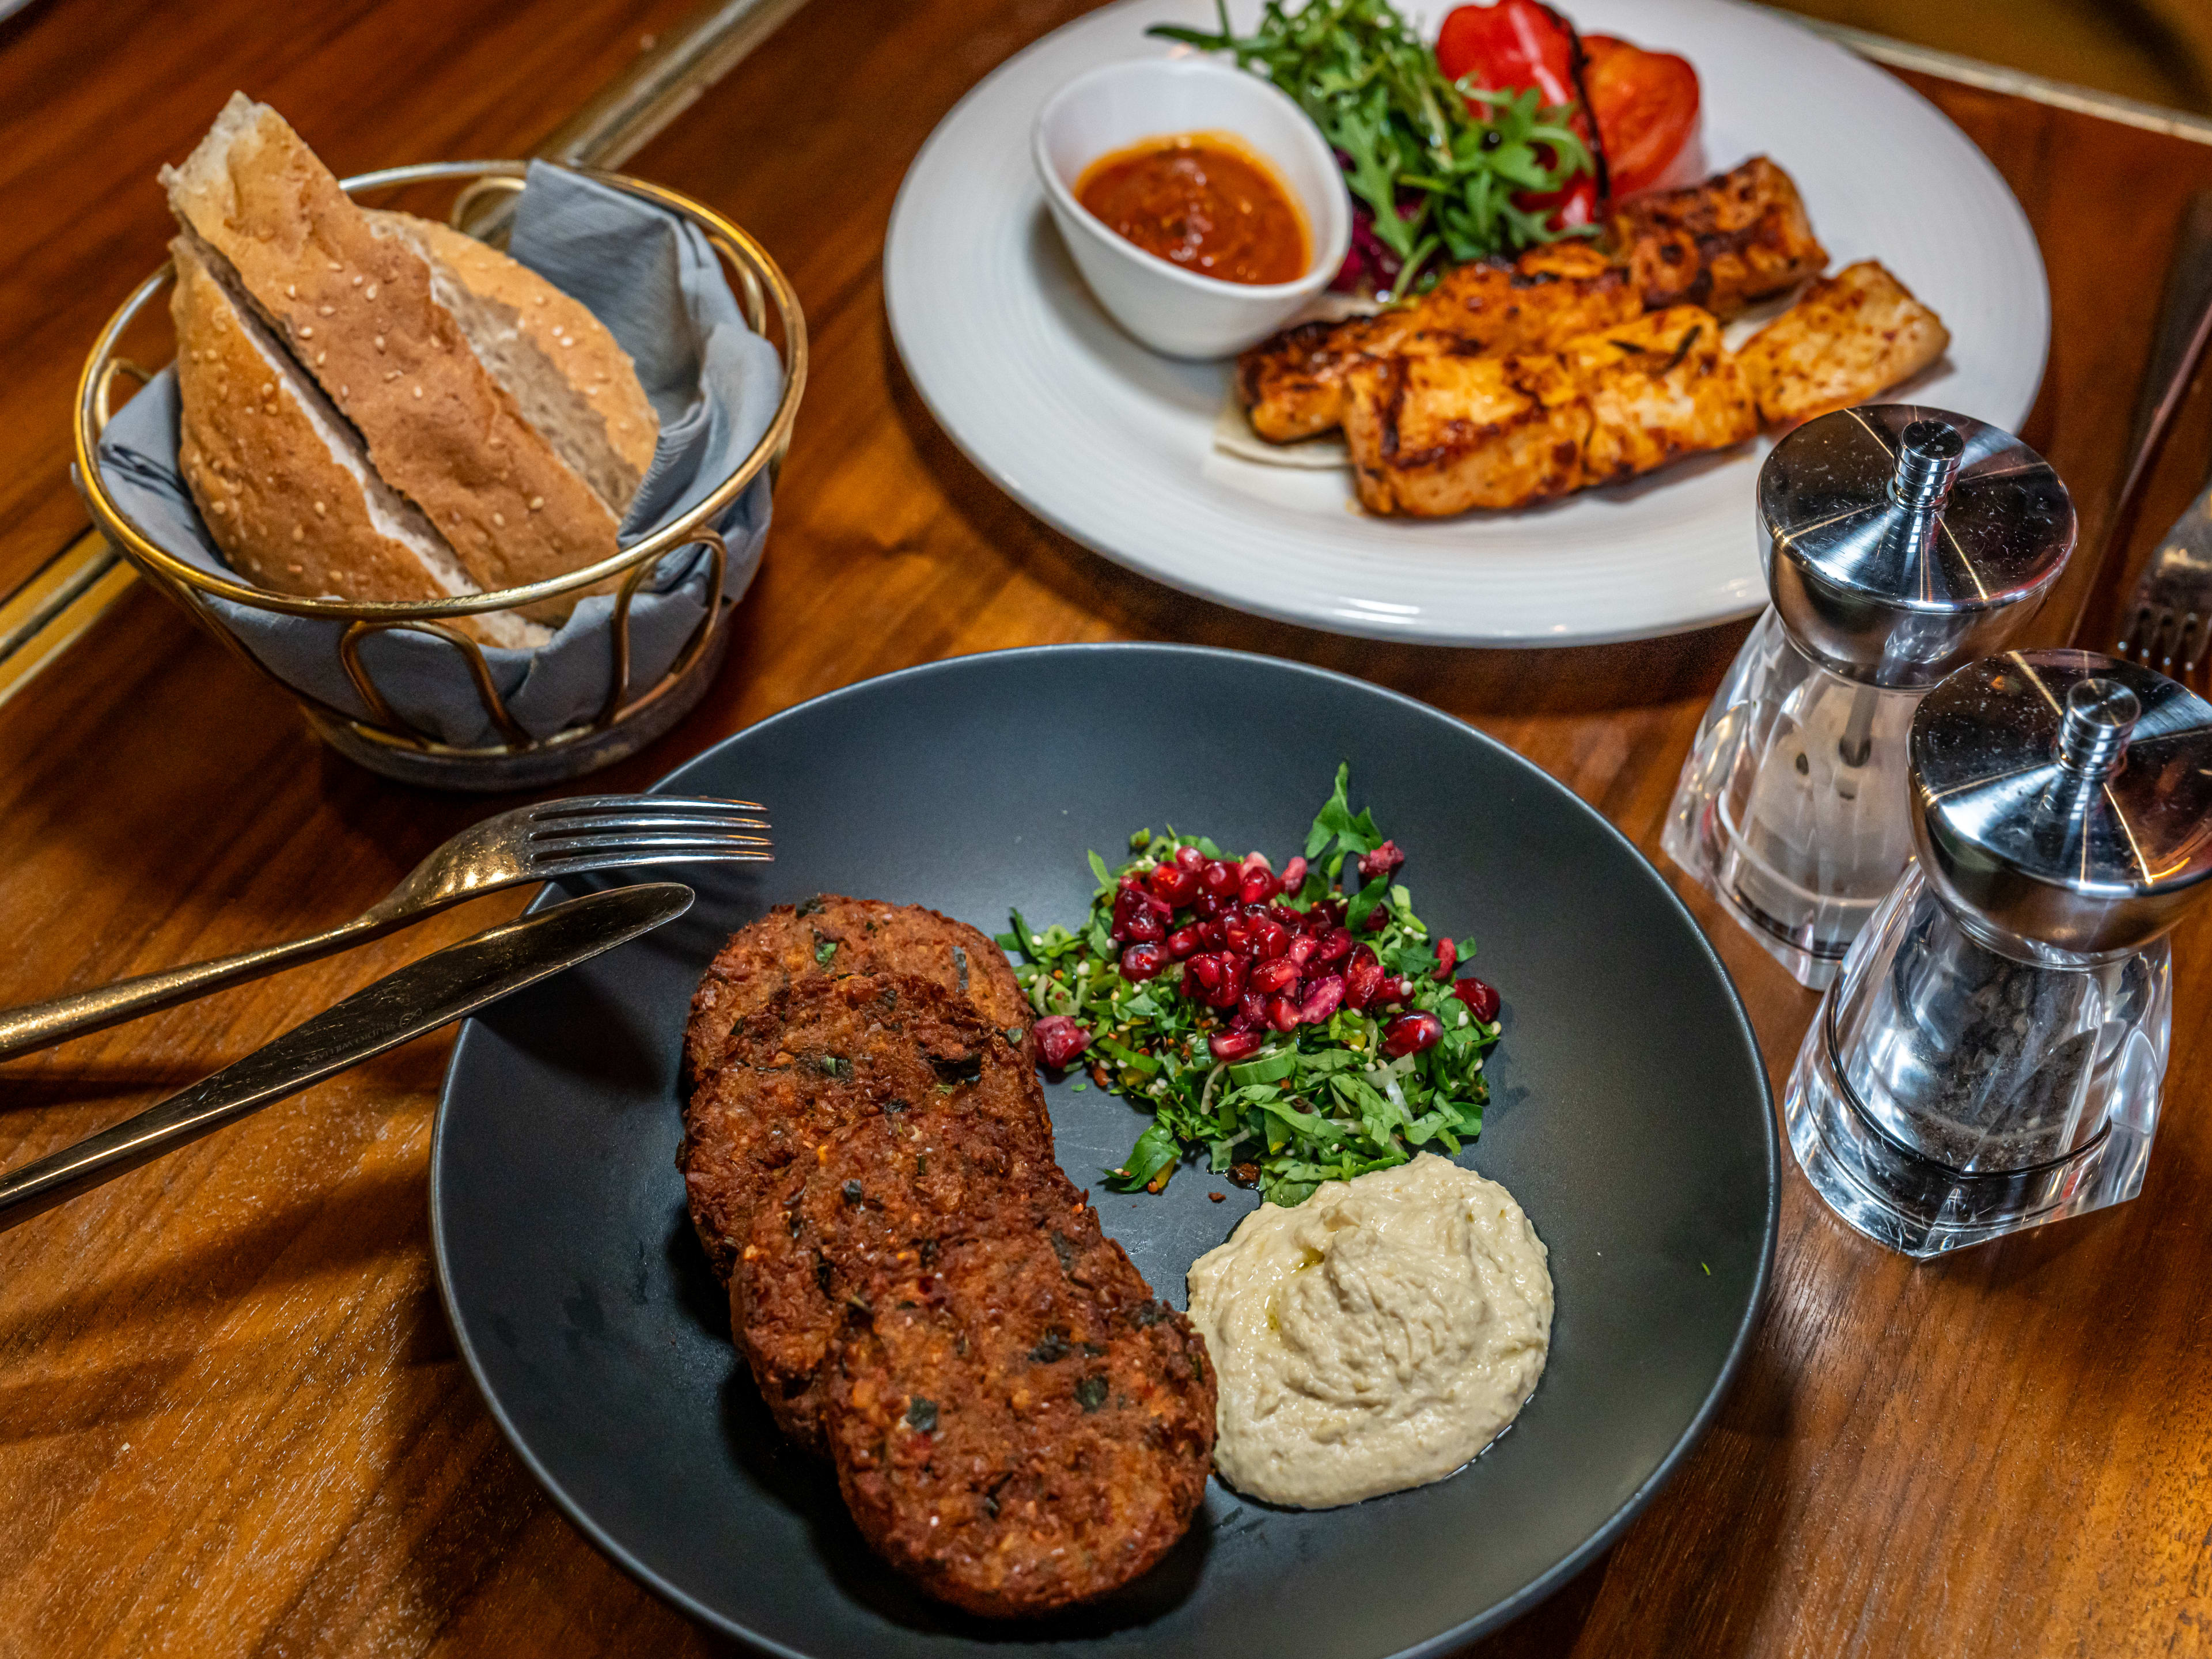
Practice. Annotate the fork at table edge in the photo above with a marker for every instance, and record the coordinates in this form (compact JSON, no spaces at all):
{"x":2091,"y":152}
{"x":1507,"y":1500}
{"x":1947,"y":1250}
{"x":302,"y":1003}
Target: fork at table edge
{"x":535,"y":848}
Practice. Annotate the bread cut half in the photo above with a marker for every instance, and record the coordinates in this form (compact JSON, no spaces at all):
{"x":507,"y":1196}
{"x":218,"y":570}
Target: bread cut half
{"x":358,"y":312}
{"x":568,"y":377}
{"x":283,"y":482}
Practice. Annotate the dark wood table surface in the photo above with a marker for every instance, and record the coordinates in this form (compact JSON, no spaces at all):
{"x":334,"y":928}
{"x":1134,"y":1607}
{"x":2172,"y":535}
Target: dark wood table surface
{"x":231,"y":1419}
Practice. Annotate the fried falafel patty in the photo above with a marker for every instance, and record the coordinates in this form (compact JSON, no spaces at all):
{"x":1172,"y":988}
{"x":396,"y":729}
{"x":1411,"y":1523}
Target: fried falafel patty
{"x":1017,"y":1424}
{"x":887,"y":1192}
{"x":829,"y":937}
{"x":822,"y":1053}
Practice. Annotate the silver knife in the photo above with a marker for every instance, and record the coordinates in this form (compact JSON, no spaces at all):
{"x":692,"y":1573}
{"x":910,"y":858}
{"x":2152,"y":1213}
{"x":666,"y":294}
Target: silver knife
{"x":443,"y":986}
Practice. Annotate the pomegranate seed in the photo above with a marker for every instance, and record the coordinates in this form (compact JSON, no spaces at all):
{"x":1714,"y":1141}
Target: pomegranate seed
{"x":1333,"y":945}
{"x":1447,"y":955}
{"x":1363,"y":978}
{"x":1172,"y":884}
{"x":1129,"y":902}
{"x":1481,"y":999}
{"x":1327,"y":912}
{"x":1225,"y":995}
{"x":1323,"y":997}
{"x":1143,"y":928}
{"x":1205,"y":907}
{"x":1294,"y":875}
{"x":1270,"y":939}
{"x":1207,"y":971}
{"x":1270,"y":977}
{"x":1237,"y":933}
{"x":1190,"y":858}
{"x":1242,"y":1021}
{"x":1220,"y":878}
{"x":1258,"y":886}
{"x":1182,"y":942}
{"x":1130,"y":881}
{"x":1141,"y":962}
{"x":1059,"y":1040}
{"x":1396,"y":988}
{"x":1283,"y":1014}
{"x":1234,"y":1045}
{"x":1210,"y":931}
{"x":1302,"y":950}
{"x":1292,"y":921}
{"x":1252,"y":1008}
{"x":1375,"y":918}
{"x":1409,"y":1034}
{"x":1382,"y":861}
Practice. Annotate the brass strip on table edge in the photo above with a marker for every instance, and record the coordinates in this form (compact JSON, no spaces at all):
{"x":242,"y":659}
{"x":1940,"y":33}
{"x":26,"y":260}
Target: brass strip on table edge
{"x":42,"y":618}
{"x":1893,"y":54}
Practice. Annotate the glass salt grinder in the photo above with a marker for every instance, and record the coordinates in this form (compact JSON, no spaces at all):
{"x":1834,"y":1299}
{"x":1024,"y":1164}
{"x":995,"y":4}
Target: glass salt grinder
{"x":1992,"y":1056}
{"x":1900,"y":542}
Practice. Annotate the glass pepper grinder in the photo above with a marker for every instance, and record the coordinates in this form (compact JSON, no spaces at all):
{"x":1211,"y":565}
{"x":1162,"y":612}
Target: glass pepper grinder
{"x":1991,"y":1057}
{"x":1899,"y":542}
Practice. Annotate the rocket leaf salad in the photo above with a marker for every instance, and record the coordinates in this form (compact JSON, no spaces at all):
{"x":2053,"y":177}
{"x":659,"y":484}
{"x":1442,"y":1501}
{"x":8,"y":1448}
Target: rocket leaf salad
{"x":1297,"y":1027}
{"x":1434,"y":164}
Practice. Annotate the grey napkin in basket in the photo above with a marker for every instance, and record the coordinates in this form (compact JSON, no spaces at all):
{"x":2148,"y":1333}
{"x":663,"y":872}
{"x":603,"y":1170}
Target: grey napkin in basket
{"x":653,"y":281}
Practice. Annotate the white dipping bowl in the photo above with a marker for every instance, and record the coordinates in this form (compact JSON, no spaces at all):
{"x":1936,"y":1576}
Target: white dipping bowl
{"x":1168,"y":308}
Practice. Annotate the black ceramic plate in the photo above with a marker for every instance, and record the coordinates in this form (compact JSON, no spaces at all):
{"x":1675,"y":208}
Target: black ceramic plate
{"x":1630,"y":1117}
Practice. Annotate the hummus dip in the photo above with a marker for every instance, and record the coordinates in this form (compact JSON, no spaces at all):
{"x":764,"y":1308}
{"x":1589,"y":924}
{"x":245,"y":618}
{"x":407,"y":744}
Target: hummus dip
{"x":1375,"y":1337}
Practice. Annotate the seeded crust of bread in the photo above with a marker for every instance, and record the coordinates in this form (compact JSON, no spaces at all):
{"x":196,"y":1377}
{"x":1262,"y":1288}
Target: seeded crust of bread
{"x":821,"y":1054}
{"x":787,"y":945}
{"x":356,"y":311}
{"x":884,"y":1191}
{"x":572,"y":381}
{"x":1017,"y":1424}
{"x":281,"y":481}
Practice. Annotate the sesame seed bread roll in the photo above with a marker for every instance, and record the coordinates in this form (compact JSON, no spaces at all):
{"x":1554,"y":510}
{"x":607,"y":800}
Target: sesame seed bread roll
{"x":572,"y":381}
{"x":357,"y":311}
{"x":283,"y":482}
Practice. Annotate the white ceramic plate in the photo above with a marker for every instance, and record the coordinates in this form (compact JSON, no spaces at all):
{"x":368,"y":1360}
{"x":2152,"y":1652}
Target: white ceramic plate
{"x":1113,"y":446}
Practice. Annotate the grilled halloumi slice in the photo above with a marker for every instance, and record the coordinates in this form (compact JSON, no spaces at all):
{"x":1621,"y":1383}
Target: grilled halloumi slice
{"x":1430,"y":437}
{"x":1737,"y":239}
{"x":1292,"y":386}
{"x":1852,"y":335}
{"x":1659,"y":388}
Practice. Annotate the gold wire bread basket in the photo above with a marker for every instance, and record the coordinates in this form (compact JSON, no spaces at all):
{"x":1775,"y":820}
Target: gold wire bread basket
{"x":629,"y":717}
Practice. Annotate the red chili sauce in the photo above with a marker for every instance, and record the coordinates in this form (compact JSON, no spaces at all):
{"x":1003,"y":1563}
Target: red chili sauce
{"x":1201,"y":201}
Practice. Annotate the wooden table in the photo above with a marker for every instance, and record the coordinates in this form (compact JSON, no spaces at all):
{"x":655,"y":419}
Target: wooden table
{"x":231,"y":1416}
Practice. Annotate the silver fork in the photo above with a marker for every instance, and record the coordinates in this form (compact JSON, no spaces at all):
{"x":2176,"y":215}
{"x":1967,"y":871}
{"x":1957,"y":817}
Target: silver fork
{"x":2167,"y":621}
{"x":2172,"y":611}
{"x":544,"y":843}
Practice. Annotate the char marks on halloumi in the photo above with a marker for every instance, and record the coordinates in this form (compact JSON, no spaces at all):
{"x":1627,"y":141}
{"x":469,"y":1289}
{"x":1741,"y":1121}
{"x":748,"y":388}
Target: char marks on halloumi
{"x":1437,"y":436}
{"x":1739,"y":238}
{"x":1292,"y":386}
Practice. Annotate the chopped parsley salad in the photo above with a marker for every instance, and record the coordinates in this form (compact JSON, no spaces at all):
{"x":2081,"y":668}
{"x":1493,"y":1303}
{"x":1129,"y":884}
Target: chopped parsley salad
{"x":1298,"y":1026}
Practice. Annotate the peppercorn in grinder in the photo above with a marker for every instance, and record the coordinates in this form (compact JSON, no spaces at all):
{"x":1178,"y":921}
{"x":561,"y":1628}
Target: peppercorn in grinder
{"x":1900,"y":542}
{"x":1992,"y":1055}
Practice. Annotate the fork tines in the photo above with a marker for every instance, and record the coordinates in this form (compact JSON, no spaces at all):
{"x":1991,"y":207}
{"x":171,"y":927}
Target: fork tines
{"x":2158,"y":636}
{"x":652,"y":828}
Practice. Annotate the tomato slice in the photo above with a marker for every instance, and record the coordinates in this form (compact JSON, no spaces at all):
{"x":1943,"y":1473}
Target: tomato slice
{"x":1510,"y":46}
{"x":1646,"y":106}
